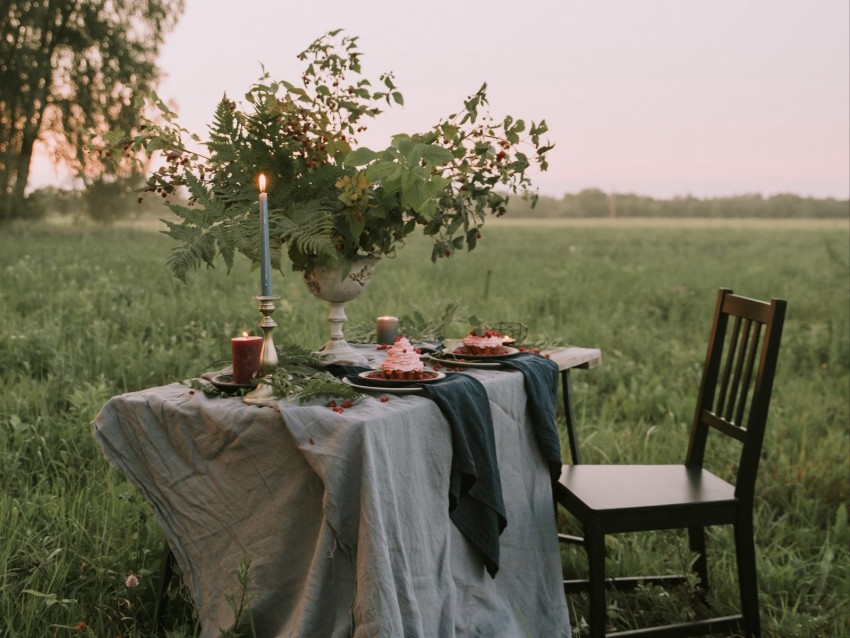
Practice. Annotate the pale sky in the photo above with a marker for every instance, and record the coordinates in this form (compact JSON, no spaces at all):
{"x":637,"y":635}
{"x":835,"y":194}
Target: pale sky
{"x":658,"y":97}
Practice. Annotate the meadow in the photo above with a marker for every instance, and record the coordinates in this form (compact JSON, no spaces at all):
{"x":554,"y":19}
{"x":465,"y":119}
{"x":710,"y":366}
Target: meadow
{"x":87,"y":313}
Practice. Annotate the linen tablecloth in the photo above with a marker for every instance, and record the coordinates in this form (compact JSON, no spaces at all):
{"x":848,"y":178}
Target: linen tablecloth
{"x":343,"y":516}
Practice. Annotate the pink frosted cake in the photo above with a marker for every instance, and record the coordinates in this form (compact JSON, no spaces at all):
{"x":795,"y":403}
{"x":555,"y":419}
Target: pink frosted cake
{"x":483,"y":342}
{"x":402,"y":362}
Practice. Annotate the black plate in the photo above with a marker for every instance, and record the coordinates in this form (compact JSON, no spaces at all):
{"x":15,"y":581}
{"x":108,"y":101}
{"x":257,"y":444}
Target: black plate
{"x":511,"y":352}
{"x":225,"y":382}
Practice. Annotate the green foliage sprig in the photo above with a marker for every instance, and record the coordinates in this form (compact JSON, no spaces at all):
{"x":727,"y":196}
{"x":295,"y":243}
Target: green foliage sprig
{"x":306,"y":388}
{"x":298,"y":377}
{"x":415,"y":326}
{"x":243,"y":622}
{"x":330,"y":202}
{"x":295,"y":357}
{"x":204,"y":386}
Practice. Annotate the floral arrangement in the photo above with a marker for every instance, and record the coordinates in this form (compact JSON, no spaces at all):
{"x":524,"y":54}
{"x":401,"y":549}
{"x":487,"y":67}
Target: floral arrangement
{"x":330,"y":201}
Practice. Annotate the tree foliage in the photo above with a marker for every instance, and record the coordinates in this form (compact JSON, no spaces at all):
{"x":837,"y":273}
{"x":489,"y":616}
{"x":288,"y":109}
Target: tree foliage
{"x":593,"y":202}
{"x":68,"y":67}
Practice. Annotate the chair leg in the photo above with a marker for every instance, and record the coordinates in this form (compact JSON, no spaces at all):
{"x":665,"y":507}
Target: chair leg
{"x":594,"y":544}
{"x":696,"y":542}
{"x":747,"y":579}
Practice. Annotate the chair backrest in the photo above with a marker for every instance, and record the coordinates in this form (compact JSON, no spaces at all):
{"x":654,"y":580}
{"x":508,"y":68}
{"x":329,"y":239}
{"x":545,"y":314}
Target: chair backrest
{"x":737,"y":381}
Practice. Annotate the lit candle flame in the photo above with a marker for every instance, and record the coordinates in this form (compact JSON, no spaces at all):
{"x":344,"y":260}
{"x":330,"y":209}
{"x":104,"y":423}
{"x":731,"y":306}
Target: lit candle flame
{"x":244,"y":334}
{"x":262,"y":183}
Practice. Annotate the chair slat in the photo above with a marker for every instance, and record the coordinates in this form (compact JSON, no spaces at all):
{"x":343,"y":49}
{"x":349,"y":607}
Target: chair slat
{"x":739,"y":358}
{"x":748,"y":374}
{"x":727,"y":369}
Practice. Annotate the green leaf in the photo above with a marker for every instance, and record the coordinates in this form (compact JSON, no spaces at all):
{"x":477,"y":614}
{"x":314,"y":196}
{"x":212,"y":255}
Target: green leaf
{"x":428,"y":209}
{"x":403,"y":143}
{"x":449,"y":130}
{"x":415,"y":155}
{"x":436,"y":155}
{"x":360,"y":157}
{"x":415,"y":194}
{"x":383,"y":171}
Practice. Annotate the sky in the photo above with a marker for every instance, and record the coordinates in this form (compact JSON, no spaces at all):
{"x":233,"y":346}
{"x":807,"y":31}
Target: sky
{"x":664,"y":98}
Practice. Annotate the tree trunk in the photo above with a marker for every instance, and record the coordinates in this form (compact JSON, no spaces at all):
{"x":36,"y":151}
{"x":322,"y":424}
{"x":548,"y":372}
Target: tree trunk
{"x":27,"y":114}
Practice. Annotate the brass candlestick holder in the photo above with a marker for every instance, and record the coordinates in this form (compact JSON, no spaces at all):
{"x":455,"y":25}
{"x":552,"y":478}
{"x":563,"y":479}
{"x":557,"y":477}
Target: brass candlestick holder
{"x":264,"y":394}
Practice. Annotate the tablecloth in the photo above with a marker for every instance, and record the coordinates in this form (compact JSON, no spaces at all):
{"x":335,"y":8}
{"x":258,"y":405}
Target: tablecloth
{"x":343,"y":516}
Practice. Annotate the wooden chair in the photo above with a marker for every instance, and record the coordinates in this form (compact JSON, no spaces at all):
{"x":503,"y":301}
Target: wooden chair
{"x":733,"y":399}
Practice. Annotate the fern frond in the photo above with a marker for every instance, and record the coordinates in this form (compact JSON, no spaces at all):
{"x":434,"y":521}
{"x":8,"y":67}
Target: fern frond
{"x":191,"y":254}
{"x":304,"y":388}
{"x":311,"y":230}
{"x":414,"y":326}
{"x":293,"y":354}
{"x":325,"y":384}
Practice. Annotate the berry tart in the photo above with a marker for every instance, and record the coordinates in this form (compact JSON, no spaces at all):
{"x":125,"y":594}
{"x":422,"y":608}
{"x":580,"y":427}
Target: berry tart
{"x":484,"y":341}
{"x":402,"y":362}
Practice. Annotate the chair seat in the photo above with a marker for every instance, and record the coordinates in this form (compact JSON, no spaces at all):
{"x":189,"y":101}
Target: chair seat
{"x":628,"y":498}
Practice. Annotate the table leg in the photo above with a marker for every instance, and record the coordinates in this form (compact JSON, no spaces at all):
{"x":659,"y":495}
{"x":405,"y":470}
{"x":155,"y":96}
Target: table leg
{"x":162,"y":590}
{"x":569,"y":416}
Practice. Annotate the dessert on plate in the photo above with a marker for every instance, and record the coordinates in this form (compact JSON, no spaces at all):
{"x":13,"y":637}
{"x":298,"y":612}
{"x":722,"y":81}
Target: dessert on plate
{"x":402,"y":362}
{"x":483,"y":341}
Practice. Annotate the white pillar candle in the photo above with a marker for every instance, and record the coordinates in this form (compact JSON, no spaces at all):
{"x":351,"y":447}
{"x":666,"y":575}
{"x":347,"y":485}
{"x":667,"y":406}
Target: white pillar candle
{"x":387,"y":330}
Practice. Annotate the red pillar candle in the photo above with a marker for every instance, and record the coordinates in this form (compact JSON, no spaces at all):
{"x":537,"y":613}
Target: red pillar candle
{"x":246,"y":357}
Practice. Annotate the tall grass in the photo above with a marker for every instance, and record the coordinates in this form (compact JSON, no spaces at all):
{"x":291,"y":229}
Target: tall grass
{"x":87,"y":314}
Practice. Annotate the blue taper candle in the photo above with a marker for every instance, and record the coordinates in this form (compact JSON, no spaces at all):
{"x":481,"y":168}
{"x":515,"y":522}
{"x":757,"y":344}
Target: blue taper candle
{"x":265,"y":255}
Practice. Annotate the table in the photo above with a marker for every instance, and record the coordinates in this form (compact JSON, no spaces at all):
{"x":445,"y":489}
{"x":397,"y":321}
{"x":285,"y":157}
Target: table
{"x":343,"y":516}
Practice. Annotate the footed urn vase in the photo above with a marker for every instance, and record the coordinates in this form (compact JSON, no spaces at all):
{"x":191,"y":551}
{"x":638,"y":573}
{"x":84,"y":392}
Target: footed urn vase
{"x":330,"y":286}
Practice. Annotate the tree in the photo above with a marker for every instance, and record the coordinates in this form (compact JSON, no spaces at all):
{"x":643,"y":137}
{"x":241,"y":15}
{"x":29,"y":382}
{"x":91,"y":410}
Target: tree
{"x":68,"y":67}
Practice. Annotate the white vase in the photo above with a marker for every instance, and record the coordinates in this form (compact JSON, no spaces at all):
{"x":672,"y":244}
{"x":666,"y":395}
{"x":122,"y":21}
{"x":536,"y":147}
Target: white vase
{"x":328,"y":285}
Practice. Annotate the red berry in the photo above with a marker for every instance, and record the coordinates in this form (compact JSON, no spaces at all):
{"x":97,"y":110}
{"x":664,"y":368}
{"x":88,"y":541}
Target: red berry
{"x":347,"y":404}
{"x":331,"y":404}
{"x":384,"y":399}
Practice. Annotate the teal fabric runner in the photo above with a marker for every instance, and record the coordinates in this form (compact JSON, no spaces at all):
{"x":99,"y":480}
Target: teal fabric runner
{"x":476,"y":505}
{"x":541,"y":385}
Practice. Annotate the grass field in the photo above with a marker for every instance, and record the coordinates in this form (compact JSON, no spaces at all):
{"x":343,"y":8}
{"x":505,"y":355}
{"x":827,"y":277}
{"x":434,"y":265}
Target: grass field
{"x":89,"y":313}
